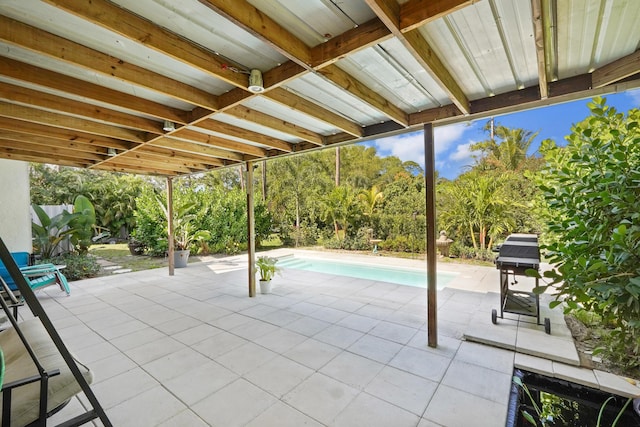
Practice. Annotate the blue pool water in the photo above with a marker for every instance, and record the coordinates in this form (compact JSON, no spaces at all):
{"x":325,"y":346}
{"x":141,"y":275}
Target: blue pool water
{"x":401,"y":276}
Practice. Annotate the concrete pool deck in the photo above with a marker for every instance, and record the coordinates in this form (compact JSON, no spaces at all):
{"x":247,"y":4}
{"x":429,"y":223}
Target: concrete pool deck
{"x":194,"y":350}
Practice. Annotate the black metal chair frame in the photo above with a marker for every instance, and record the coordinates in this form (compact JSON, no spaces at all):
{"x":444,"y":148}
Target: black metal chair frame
{"x":43,"y":375}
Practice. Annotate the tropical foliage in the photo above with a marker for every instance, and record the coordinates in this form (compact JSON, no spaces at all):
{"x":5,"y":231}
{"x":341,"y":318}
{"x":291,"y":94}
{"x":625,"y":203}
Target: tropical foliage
{"x":592,"y":188}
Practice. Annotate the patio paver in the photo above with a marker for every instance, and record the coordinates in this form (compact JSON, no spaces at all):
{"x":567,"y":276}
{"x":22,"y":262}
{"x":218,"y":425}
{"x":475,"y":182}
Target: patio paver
{"x":194,"y":350}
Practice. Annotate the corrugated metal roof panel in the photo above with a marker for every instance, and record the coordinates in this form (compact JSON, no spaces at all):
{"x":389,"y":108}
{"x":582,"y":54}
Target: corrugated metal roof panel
{"x":194,"y":21}
{"x":381,"y":69}
{"x":318,"y":89}
{"x":253,"y":127}
{"x":275,"y":109}
{"x":315,"y":21}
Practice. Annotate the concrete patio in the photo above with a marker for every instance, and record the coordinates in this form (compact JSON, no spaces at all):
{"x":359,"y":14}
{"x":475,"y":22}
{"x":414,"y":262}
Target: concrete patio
{"x":194,"y":350}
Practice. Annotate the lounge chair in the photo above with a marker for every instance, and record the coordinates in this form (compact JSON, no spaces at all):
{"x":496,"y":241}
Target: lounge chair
{"x":42,"y":275}
{"x":41,"y":375}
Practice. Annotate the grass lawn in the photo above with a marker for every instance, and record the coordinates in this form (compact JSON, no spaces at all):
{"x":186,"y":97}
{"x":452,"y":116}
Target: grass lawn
{"x":119,"y":254}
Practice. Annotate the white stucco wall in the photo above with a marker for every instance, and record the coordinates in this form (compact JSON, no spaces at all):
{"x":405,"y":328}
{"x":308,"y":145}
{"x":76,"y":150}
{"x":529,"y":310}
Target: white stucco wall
{"x":15,"y":214}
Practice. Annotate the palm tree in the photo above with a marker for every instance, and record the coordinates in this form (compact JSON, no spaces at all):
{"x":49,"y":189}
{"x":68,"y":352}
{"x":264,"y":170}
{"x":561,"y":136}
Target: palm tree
{"x":509,"y":152}
{"x":369,"y":199}
{"x":339,"y":208}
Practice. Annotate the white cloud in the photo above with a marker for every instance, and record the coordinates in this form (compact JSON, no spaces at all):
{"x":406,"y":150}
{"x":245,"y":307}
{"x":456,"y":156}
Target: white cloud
{"x":410,"y":146}
{"x":444,"y":136}
{"x":635,"y":96}
{"x":463,"y":153}
{"x":406,"y":147}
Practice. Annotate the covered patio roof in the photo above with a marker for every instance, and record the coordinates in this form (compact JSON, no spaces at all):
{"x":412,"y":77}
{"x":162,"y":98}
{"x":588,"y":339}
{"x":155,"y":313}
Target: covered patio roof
{"x":94,"y":84}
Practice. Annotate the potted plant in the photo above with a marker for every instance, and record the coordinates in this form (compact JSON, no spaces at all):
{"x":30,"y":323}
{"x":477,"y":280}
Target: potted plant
{"x":185,"y":232}
{"x":266,"y":269}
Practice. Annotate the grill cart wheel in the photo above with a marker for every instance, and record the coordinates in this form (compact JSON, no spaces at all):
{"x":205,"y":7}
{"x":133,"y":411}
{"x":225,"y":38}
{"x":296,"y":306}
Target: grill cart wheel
{"x":494,"y":316}
{"x":547,"y":325}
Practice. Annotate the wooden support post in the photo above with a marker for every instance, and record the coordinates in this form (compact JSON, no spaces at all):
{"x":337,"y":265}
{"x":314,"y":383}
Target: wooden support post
{"x":170,"y":224}
{"x":251,"y":232}
{"x":432,"y":288}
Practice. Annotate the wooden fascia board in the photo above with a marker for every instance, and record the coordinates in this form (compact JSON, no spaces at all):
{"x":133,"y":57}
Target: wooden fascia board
{"x":290,"y":99}
{"x":61,"y":49}
{"x":243,"y":14}
{"x":416,"y":13}
{"x":25,"y":96}
{"x":617,"y":70}
{"x":50,"y":79}
{"x":116,"y":19}
{"x":59,"y":120}
{"x":358,"y":89}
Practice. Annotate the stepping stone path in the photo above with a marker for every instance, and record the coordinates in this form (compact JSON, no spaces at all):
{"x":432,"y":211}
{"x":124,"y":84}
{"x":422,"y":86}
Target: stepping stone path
{"x":112,"y":267}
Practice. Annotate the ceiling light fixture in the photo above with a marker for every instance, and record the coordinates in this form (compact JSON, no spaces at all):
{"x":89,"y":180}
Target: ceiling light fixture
{"x":255,"y":81}
{"x":169,"y":126}
{"x":111,"y":152}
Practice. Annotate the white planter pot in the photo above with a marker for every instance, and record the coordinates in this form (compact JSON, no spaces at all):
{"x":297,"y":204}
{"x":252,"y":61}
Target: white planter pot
{"x":180,"y":258}
{"x":265,"y":286}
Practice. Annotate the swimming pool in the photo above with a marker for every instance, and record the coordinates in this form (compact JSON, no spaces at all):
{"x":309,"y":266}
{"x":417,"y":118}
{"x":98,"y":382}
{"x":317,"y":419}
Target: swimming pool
{"x":401,"y":276}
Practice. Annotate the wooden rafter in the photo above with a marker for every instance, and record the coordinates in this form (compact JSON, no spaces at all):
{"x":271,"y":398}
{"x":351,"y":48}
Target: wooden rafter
{"x":202,"y":139}
{"x":67,"y":122}
{"x":189,"y":147}
{"x":538,"y":35}
{"x":238,"y":132}
{"x":34,"y":39}
{"x":65,"y":135}
{"x":390,"y":12}
{"x":25,"y":96}
{"x":617,"y":70}
{"x":127,"y":24}
{"x":358,"y":89}
{"x":416,"y":13}
{"x":49,"y":79}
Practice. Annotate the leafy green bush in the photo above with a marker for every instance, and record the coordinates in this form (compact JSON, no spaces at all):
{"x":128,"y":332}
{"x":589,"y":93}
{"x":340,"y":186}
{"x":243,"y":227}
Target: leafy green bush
{"x":592,"y":187}
{"x":77,"y":266}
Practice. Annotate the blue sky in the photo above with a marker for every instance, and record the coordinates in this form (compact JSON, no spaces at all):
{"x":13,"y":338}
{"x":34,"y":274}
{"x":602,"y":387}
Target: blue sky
{"x":452,"y":142}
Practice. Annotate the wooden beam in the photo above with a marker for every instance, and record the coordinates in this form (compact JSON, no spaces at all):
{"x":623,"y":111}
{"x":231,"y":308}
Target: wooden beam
{"x":426,"y":56}
{"x":193,"y":160}
{"x":67,"y":122}
{"x":64,"y":135}
{"x":27,"y":156}
{"x":276,"y":123}
{"x":70,"y":146}
{"x":219,"y":142}
{"x":190,"y":147}
{"x":297,"y":103}
{"x":238,"y":132}
{"x":415,"y":13}
{"x":389,"y":12}
{"x":538,"y":35}
{"x":114,"y":18}
{"x":59,"y":82}
{"x":34,"y":39}
{"x":433,"y":115}
{"x":50,"y":151}
{"x":111,"y":167}
{"x":349,"y":42}
{"x":257,"y":23}
{"x":358,"y":89}
{"x":166,"y":167}
{"x":22,"y":95}
{"x":617,"y":70}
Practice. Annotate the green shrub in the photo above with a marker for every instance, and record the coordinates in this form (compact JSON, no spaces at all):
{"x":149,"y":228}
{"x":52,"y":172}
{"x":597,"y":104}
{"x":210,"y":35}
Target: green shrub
{"x":77,"y":266}
{"x":592,"y":188}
